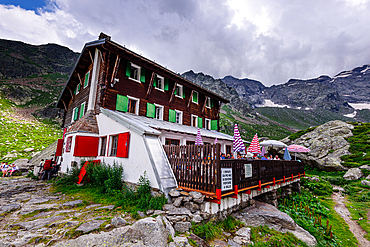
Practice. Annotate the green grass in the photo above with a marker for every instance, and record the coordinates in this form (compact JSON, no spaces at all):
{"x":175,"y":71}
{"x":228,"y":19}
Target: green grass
{"x":300,"y":119}
{"x":16,"y":135}
{"x":359,"y":210}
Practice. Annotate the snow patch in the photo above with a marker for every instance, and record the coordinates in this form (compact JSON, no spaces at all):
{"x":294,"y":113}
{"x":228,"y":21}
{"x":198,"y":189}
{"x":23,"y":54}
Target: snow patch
{"x":269,"y":103}
{"x":360,"y":106}
{"x":364,"y":70}
{"x":352,"y":115}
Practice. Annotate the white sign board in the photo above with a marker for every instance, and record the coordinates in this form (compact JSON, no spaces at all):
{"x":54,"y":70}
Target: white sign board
{"x":226,"y":179}
{"x":248,"y":170}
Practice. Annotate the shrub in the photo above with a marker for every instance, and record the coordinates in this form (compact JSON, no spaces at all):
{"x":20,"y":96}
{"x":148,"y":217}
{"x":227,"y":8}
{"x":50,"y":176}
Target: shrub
{"x":71,"y":177}
{"x":207,"y":231}
{"x":320,"y":188}
{"x":107,"y":178}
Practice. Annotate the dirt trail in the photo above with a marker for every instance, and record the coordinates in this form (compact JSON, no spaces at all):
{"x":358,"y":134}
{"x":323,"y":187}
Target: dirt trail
{"x":343,"y":211}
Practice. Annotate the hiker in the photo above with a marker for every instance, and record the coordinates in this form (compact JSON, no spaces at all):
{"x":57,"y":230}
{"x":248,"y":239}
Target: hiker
{"x":12,"y":169}
{"x":4,"y":168}
{"x":37,"y":169}
{"x":46,"y":172}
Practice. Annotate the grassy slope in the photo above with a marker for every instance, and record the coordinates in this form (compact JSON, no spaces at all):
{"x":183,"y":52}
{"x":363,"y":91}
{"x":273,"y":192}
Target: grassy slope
{"x":299,"y":119}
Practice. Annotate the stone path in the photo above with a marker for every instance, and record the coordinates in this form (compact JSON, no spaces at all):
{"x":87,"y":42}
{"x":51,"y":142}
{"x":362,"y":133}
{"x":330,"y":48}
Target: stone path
{"x":343,"y":211}
{"x":30,"y":215}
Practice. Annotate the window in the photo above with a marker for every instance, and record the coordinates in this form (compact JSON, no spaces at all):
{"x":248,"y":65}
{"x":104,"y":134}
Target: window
{"x":77,"y":89}
{"x":75,"y":114}
{"x":207,"y":124}
{"x":178,"y":117}
{"x":208,"y":102}
{"x":135,"y":72}
{"x":103,"y":145}
{"x":68,"y":144}
{"x":113,"y":145}
{"x":172,"y":142}
{"x":158,"y":112}
{"x":194,"y":121}
{"x":154,"y":111}
{"x":82,"y":111}
{"x":86,"y":82}
{"x":159,"y":82}
{"x":179,"y":91}
{"x":228,"y":149}
{"x":214,"y":125}
{"x":133,"y":105}
{"x":195,"y":97}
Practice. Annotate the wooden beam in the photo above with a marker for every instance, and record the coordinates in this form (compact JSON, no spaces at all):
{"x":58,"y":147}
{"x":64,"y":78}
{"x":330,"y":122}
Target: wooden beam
{"x":101,"y":55}
{"x":150,"y":87}
{"x":204,"y":105}
{"x":173,"y":92}
{"x":107,"y":68}
{"x":92,"y":60}
{"x":70,"y":91}
{"x":218,"y":109}
{"x":191,"y":98}
{"x":79,"y":78}
{"x":65,"y":107}
{"x":115,"y":69}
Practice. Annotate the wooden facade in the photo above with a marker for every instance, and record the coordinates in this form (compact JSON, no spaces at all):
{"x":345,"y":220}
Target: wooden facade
{"x":113,"y":82}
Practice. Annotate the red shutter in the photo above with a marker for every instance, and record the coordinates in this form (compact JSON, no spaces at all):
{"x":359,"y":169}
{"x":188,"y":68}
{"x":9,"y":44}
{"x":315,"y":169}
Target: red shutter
{"x":86,"y":146}
{"x":123,"y":145}
{"x":59,"y":147}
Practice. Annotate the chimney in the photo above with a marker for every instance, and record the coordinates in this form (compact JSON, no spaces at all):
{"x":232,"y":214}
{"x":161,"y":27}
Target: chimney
{"x":104,"y":36}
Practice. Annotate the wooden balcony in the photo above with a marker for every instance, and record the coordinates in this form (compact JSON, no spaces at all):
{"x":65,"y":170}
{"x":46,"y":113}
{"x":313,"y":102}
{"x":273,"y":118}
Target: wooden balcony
{"x":199,"y":168}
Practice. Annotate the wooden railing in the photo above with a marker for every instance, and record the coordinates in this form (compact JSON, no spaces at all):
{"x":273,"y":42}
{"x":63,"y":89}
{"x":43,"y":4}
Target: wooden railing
{"x":200,"y":168}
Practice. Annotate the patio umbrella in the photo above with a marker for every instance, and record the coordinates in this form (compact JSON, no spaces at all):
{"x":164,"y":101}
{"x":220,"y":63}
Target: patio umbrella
{"x":263,"y":151}
{"x":198,"y":139}
{"x":254,"y":147}
{"x":298,"y":149}
{"x":238,"y":144}
{"x":287,"y":155}
{"x":273,"y":143}
{"x":216,"y":140}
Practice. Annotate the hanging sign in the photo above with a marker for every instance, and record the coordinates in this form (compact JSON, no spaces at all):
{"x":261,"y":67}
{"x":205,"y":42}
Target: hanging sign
{"x":226,"y":179}
{"x":248,"y":170}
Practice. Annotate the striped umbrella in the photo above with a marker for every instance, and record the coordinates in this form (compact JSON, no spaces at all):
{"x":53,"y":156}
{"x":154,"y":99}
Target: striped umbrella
{"x":216,"y":140}
{"x":198,"y":140}
{"x":254,"y":147}
{"x":238,"y":144}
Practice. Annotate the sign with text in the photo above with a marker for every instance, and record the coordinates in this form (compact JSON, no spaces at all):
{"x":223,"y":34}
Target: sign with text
{"x":226,"y":179}
{"x":248,"y":170}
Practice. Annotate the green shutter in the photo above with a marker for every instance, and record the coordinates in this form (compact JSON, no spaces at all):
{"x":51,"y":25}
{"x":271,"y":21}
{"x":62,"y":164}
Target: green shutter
{"x":82,"y":110}
{"x":74,"y":90}
{"x":172,"y":116}
{"x":195,"y":97}
{"x":79,"y":87}
{"x":121,"y":103}
{"x":166,"y":84}
{"x":142,"y":75}
{"x":87,"y":79}
{"x":211,"y":102}
{"x":214,"y":124}
{"x":128,"y":69}
{"x":200,"y":122}
{"x":75,"y":117}
{"x":150,"y":110}
{"x":176,"y":91}
{"x":183,"y":92}
{"x":155,"y":81}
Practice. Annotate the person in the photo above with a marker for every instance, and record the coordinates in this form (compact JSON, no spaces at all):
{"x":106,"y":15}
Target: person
{"x":270,"y":158}
{"x":276,"y":157}
{"x":264,"y":157}
{"x":13,"y":168}
{"x":223,"y":156}
{"x":238,"y":156}
{"x":4,"y":168}
{"x":47,"y":169}
{"x":37,"y":169}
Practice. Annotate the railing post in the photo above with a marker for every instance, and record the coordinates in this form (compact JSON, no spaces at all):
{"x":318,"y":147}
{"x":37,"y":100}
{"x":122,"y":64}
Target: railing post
{"x":218,"y":171}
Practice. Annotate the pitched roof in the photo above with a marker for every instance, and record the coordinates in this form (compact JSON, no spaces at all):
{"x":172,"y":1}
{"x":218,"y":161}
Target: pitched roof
{"x":87,"y":124}
{"x":144,"y":125}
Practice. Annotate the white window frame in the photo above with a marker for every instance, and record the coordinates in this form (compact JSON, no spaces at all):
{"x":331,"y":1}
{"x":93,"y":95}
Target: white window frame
{"x":161,"y":107}
{"x":182,"y":91}
{"x":100,"y":145}
{"x":77,"y":91}
{"x":180,"y":116}
{"x":196,"y":122}
{"x":207,"y":126}
{"x":208,"y":102}
{"x":192,"y":97}
{"x":138,"y":72}
{"x":111,"y":146}
{"x":161,"y":88}
{"x":137,"y":104}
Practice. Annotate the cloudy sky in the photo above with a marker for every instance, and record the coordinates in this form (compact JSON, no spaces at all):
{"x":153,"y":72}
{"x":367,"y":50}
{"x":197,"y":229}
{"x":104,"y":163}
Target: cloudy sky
{"x":267,"y":40}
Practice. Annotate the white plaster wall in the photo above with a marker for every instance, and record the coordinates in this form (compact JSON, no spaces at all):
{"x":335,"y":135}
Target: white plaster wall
{"x":138,"y":159}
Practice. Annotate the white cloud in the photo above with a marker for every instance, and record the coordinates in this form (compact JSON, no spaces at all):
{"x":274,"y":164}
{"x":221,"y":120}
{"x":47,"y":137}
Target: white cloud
{"x":271,"y":41}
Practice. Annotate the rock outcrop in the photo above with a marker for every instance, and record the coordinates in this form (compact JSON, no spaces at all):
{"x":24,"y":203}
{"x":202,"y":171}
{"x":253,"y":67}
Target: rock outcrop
{"x":353,"y":174}
{"x":327,"y":144}
{"x":265,"y":214}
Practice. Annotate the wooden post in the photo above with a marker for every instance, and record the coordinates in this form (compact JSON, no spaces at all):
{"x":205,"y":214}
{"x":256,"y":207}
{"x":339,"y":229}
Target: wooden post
{"x":190,"y":98}
{"x":115,"y":69}
{"x":150,"y":87}
{"x":173,"y":93}
{"x":218,"y":171}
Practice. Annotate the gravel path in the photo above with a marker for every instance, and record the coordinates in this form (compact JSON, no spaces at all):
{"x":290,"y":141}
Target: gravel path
{"x":343,"y":211}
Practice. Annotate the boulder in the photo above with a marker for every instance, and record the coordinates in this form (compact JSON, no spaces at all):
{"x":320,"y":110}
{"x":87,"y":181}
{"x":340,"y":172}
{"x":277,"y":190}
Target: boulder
{"x":22,"y":164}
{"x":195,"y":194}
{"x":174,"y":193}
{"x":243,"y":236}
{"x":365,"y":182}
{"x":37,"y":224}
{"x":9,"y":207}
{"x":72,"y":203}
{"x":327,"y":144}
{"x":109,"y":207}
{"x":265,"y":214}
{"x":28,"y":150}
{"x":118,"y":221}
{"x":368,"y":177}
{"x":180,"y":242}
{"x":353,"y":174}
{"x":198,"y":240}
{"x":366,"y":167}
{"x":182,"y":226}
{"x":178,"y":201}
{"x":90,"y":226}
